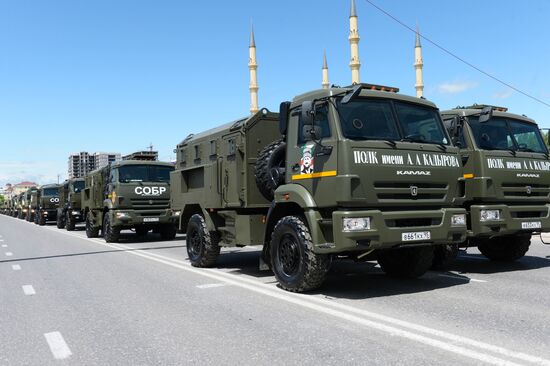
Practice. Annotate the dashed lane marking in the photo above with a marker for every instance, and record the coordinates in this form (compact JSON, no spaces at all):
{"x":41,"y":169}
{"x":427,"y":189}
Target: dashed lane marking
{"x":59,"y":348}
{"x":16,"y":267}
{"x":4,"y":245}
{"x":9,"y":254}
{"x":28,"y":290}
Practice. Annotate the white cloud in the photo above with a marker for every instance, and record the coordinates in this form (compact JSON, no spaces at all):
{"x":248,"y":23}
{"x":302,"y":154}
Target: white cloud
{"x":455,"y":87}
{"x":40,"y":172}
{"x":503,"y":94}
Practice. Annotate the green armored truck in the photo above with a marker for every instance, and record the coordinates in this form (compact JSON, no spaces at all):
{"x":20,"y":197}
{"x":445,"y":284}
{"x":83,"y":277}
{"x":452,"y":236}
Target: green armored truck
{"x":46,"y":202}
{"x":358,"y":172}
{"x":16,"y":210}
{"x":22,"y":206}
{"x":129,"y":194}
{"x":506,"y":177}
{"x":31,"y":211}
{"x":69,"y":212}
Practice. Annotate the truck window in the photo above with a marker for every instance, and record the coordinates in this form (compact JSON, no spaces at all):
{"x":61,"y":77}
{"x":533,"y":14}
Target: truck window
{"x":144,"y":173}
{"x":50,"y":192}
{"x":420,"y":124}
{"x":321,"y":120}
{"x":365,"y":119}
{"x":78,"y":186}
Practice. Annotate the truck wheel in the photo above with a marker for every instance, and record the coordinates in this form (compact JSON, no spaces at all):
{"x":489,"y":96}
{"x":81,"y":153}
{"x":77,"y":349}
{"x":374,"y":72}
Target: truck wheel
{"x":506,"y":248}
{"x":36,"y":217}
{"x":69,"y":222}
{"x":141,"y":230}
{"x":444,"y":255}
{"x":91,"y":230}
{"x":168,"y":232}
{"x":41,"y":220}
{"x":269,"y":168}
{"x":59,"y":222}
{"x":202,"y":245}
{"x":406,"y":262}
{"x":293,"y":261}
{"x":111,"y":234}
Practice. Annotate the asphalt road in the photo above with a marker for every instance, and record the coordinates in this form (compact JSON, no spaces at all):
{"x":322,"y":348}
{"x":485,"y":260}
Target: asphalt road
{"x":67,"y":299}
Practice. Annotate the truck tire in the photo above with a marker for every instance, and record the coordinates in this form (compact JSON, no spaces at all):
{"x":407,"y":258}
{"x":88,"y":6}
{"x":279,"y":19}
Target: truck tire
{"x":41,"y":219}
{"x":168,"y":232}
{"x":36,"y":217}
{"x":59,"y":222}
{"x":91,"y":230}
{"x":293,"y":261}
{"x":111,"y":233}
{"x":141,"y":230}
{"x":409,"y":262}
{"x":202,"y":245}
{"x":269,"y":168}
{"x":506,"y":248}
{"x":69,"y":222}
{"x":444,"y":255}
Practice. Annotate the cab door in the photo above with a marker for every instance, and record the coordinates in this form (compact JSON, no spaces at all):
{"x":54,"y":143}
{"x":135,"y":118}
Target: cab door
{"x":311,"y":164}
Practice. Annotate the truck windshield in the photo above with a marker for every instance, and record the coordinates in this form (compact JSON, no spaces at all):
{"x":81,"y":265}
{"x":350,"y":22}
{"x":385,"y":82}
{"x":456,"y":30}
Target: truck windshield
{"x":144,"y":173}
{"x":507,"y":134}
{"x":50,"y":192}
{"x":78,"y":186}
{"x":371,"y":119}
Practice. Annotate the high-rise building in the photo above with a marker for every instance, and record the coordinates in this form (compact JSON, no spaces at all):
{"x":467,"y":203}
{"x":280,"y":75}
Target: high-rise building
{"x":84,"y":162}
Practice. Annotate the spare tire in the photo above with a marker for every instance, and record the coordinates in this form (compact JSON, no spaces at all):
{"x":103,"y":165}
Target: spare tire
{"x":270,"y":168}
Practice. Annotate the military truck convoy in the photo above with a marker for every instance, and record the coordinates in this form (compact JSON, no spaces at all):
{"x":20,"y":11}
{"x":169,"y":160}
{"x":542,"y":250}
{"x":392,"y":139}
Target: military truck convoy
{"x":128,"y":195}
{"x":358,"y":172}
{"x":506,"y":179}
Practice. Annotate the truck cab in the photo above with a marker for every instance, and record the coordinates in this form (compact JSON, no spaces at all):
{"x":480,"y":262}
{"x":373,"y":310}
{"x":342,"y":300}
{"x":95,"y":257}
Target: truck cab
{"x":48,"y":202}
{"x":130,"y":194}
{"x":69,"y":212}
{"x":506,"y":178}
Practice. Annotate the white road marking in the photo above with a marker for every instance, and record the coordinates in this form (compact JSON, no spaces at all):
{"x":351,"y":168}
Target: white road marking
{"x":16,"y":267}
{"x":1,"y":239}
{"x":464,"y":278}
{"x":9,"y":254}
{"x":448,"y":341}
{"x":211,"y":285}
{"x":28,"y":290}
{"x":58,"y":346}
{"x":4,"y":245}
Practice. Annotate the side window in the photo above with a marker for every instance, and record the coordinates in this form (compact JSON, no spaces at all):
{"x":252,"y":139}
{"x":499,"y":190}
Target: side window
{"x":321,"y":120}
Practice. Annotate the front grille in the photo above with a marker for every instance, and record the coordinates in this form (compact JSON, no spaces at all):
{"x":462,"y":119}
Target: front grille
{"x":149,"y":203}
{"x":528,"y":214}
{"x":425,"y":221}
{"x":518,"y":190}
{"x":410,"y":191}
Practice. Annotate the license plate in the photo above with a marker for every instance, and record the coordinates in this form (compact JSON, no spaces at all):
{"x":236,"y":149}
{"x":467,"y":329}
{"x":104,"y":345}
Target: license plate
{"x":419,"y":235}
{"x":531,"y":225}
{"x":150,"y":219}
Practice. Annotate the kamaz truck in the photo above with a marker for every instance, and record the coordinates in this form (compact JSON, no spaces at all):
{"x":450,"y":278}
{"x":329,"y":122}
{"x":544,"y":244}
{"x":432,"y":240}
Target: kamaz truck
{"x":69,"y":212}
{"x":16,"y":211}
{"x":22,"y":205}
{"x":359,"y":172}
{"x":30,"y":210}
{"x":46,"y":202}
{"x":506,"y":179}
{"x":129,"y":194}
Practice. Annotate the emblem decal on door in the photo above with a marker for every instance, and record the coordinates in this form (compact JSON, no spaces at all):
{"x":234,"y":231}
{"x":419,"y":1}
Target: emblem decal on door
{"x":307,"y":162}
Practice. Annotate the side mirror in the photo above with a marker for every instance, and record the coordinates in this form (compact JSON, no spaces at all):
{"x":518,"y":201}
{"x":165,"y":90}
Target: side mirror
{"x":352,"y":95}
{"x":486,"y":114}
{"x":311,"y":132}
{"x":308,"y":113}
{"x":284,"y":109}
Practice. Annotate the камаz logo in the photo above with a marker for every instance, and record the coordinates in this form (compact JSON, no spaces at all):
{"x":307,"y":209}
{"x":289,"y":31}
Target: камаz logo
{"x":149,"y":191}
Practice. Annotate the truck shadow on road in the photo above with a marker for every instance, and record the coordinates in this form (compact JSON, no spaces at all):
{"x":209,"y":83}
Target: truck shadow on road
{"x":477,"y":263}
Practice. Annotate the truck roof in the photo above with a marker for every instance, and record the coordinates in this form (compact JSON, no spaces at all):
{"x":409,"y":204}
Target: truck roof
{"x":466,"y":112}
{"x":140,"y":162}
{"x":321,"y":93}
{"x":51,"y":185}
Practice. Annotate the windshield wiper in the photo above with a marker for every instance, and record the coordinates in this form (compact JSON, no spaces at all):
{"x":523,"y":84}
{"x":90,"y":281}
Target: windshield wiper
{"x":526,"y":149}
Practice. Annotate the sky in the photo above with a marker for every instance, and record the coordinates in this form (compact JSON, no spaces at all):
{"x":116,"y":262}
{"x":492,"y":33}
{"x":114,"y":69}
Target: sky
{"x":108,"y":75}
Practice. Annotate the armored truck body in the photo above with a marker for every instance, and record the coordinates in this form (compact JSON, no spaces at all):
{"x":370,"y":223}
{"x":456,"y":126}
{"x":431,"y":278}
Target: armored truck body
{"x":506,"y":176}
{"x":69,"y":212}
{"x":47,"y":200}
{"x":129,"y":194}
{"x":338,"y":172}
{"x":31,"y":210}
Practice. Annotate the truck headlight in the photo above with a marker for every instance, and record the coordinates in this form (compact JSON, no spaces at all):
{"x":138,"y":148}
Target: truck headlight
{"x":355,"y":224}
{"x":458,"y":220}
{"x":120,"y":215}
{"x":488,"y":215}
{"x":176,"y":213}
{"x":75,"y":212}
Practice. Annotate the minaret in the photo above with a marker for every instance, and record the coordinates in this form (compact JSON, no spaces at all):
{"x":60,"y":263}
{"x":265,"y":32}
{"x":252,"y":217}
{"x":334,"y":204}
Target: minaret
{"x":354,"y":63}
{"x":325,"y":83}
{"x":253,"y":67}
{"x":418,"y":64}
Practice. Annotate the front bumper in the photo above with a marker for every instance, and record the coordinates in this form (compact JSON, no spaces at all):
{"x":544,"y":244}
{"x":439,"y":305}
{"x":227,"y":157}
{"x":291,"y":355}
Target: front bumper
{"x":510,"y":222}
{"x":387,"y":228}
{"x":49,"y":214}
{"x":132,"y":218}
